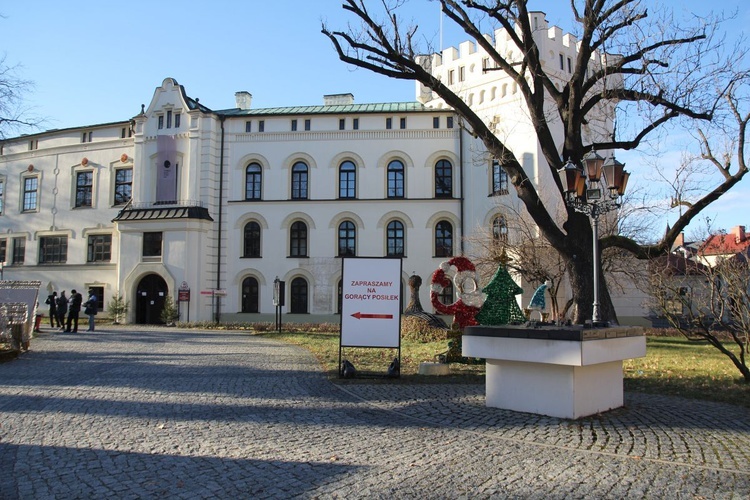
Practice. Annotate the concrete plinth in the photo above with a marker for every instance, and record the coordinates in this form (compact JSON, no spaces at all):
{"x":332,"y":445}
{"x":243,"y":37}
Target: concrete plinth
{"x":571,"y":378}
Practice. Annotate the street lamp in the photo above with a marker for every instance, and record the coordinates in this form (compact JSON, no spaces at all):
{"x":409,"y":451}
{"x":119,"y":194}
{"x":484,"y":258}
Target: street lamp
{"x":606,"y":184}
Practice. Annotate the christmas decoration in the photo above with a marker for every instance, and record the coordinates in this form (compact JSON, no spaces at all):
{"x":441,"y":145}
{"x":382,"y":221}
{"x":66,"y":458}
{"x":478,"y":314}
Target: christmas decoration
{"x":500,"y":307}
{"x":462,"y":272}
{"x":538,"y":302}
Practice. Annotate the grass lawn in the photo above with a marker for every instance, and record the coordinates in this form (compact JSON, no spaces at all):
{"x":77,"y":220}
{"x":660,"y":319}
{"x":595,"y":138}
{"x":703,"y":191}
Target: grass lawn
{"x":673,"y":365}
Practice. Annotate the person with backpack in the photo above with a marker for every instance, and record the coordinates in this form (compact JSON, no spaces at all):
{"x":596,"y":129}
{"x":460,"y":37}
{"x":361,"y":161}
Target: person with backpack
{"x":62,"y":309}
{"x":74,"y":308}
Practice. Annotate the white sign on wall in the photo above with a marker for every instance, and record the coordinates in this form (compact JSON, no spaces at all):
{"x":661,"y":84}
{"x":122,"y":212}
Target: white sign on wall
{"x":371,"y":303}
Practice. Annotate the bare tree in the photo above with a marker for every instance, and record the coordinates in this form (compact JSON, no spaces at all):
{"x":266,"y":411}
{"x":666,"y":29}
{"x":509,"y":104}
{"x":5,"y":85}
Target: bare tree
{"x":704,"y":303}
{"x":14,"y":116}
{"x":665,"y":72}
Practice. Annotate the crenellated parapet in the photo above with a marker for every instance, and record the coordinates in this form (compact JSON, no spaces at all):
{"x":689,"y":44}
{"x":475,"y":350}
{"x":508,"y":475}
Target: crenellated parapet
{"x":470,"y":71}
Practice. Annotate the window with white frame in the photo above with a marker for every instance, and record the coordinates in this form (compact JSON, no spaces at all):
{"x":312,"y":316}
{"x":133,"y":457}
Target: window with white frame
{"x":443,"y":239}
{"x":347,"y":239}
{"x":395,"y":239}
{"x":253,"y":181}
{"x":299,"y":181}
{"x":84,"y":188}
{"x":123,"y":185}
{"x":499,"y":179}
{"x":298,"y":240}
{"x":443,"y":179}
{"x":99,"y":248}
{"x":53,"y":249}
{"x":347,"y":180}
{"x":30,"y":194}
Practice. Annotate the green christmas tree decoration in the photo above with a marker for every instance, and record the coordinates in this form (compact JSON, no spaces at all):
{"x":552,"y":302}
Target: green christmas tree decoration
{"x":500,"y":307}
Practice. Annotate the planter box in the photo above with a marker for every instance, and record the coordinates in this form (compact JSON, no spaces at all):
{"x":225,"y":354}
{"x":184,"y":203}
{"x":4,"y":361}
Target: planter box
{"x":565,"y":372}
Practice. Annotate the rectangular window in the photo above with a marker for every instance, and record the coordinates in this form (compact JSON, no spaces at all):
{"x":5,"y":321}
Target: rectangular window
{"x":177,"y":120}
{"x":402,"y":123}
{"x":123,"y":132}
{"x":562,"y":60}
{"x":161,"y":122}
{"x":435,"y":122}
{"x":152,"y":244}
{"x":389,"y":123}
{"x":99,"y":294}
{"x":3,"y":250}
{"x":294,"y":125}
{"x":99,"y":248}
{"x":19,"y":250}
{"x":2,"y":192}
{"x":449,"y":122}
{"x":30,"y":186}
{"x":123,"y":185}
{"x":248,"y":127}
{"x":461,"y":73}
{"x":261,"y":126}
{"x":355,"y":123}
{"x":342,"y":123}
{"x":169,"y":119}
{"x":451,"y":77}
{"x":499,"y":179}
{"x":33,"y":144}
{"x":307,"y":125}
{"x":53,"y":249}
{"x":84,"y":188}
{"x":570,"y":66}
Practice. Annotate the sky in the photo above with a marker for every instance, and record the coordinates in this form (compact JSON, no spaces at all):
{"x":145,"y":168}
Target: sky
{"x":94,"y":61}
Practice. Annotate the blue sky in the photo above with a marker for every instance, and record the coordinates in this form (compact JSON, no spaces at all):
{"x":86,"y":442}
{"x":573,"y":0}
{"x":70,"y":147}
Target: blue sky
{"x":97,"y":62}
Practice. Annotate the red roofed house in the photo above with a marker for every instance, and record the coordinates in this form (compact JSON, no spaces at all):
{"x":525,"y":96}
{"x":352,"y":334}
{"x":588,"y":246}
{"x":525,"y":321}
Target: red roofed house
{"x":723,"y":246}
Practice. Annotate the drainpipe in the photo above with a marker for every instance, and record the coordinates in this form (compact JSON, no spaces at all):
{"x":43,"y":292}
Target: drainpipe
{"x":217,"y":313}
{"x":461,"y":191}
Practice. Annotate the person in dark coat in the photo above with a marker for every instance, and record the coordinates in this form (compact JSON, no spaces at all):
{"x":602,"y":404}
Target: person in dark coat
{"x":52,"y":303}
{"x":90,"y":309}
{"x":62,"y":309}
{"x":74,"y":308}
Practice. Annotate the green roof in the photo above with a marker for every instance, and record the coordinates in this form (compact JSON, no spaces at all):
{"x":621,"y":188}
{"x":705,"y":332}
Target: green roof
{"x":386,"y":107}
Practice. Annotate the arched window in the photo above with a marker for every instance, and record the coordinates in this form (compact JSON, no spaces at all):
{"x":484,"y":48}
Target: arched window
{"x":443,"y":179}
{"x":443,"y":239}
{"x":347,"y":239}
{"x":253,"y":181}
{"x":499,"y":229}
{"x":347,"y":180}
{"x":250,"y":295}
{"x":251,"y":240}
{"x":299,"y":296}
{"x":299,"y":181}
{"x":395,"y":239}
{"x":298,"y":240}
{"x":395,"y":179}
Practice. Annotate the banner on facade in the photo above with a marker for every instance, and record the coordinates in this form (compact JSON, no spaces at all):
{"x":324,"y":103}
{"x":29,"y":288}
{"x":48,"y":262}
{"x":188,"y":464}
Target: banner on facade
{"x":166,"y":169}
{"x":371,"y":302}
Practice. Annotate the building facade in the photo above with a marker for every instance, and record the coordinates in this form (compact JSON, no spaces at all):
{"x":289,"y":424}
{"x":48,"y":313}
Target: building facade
{"x":212,"y":206}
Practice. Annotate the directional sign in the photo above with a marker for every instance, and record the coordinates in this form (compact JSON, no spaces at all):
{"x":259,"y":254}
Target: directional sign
{"x":371,"y":302}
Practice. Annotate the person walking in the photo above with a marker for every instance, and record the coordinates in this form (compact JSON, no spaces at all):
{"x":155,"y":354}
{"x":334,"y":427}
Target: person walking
{"x":90,"y":309}
{"x":52,"y":303}
{"x":62,"y":309}
{"x":74,"y":308}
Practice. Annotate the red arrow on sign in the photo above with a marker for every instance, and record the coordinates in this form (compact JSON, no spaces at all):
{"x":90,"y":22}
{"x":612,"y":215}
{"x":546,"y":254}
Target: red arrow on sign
{"x":360,"y":315}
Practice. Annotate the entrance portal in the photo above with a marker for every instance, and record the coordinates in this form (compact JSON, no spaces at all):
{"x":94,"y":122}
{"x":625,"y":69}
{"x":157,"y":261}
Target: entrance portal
{"x":149,"y":301}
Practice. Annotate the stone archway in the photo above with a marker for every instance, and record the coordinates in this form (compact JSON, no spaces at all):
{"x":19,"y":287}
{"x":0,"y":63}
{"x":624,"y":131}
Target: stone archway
{"x":150,"y":294}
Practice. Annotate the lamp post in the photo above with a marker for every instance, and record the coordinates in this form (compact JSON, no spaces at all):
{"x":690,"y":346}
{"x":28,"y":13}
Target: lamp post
{"x":606,"y":184}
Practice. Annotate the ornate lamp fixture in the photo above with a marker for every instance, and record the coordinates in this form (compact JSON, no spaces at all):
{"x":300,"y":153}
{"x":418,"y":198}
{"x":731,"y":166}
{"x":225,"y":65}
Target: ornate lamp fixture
{"x":603,"y":192}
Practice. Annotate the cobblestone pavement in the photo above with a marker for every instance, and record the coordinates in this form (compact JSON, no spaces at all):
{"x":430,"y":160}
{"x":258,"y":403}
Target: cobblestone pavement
{"x":188,"y":414}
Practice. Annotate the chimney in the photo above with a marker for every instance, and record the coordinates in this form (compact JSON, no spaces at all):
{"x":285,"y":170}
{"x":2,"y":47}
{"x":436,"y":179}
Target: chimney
{"x":338,"y":99}
{"x":739,"y":234}
{"x":243,"y":99}
{"x":679,"y":241}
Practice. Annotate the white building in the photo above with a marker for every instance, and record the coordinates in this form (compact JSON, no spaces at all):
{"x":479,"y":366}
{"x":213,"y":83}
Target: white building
{"x":185,"y":197}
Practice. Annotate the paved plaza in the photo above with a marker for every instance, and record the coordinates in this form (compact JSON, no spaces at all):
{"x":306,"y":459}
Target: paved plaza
{"x":166,"y":413}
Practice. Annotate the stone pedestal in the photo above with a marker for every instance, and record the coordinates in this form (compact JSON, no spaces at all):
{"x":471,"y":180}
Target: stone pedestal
{"x":560,"y":372}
